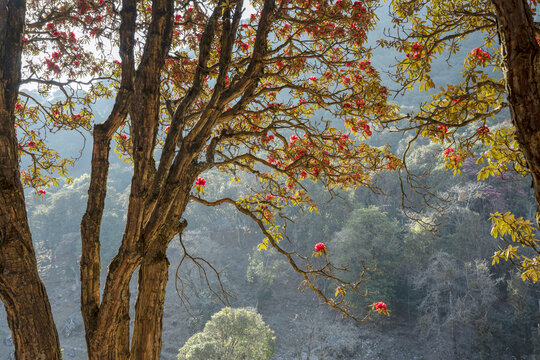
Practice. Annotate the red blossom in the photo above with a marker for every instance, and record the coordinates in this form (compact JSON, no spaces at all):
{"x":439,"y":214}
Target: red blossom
{"x":380,"y":306}
{"x":41,"y":191}
{"x":320,"y":246}
{"x":200,"y":181}
{"x":483,"y":130}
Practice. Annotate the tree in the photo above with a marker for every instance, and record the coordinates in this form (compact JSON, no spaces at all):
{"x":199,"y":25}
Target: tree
{"x":195,"y":87}
{"x":454,"y":296}
{"x":457,"y":116}
{"x":368,"y":245}
{"x":231,"y":334}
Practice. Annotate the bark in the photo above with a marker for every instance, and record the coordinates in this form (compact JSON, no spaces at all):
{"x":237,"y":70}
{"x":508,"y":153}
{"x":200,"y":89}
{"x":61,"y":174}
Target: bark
{"x":521,"y":66}
{"x":109,"y":334}
{"x":21,"y":290}
{"x":153,"y":276}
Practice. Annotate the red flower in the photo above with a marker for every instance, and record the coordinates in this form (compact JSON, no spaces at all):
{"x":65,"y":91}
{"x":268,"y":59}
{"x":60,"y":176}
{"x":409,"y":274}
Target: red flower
{"x":18,"y":106}
{"x":199,"y":185}
{"x":167,"y":128}
{"x":380,"y":306}
{"x":31,"y":144}
{"x":124,"y":136}
{"x":483,"y":130}
{"x":320,"y":247}
{"x":200,"y":181}
{"x":41,"y":191}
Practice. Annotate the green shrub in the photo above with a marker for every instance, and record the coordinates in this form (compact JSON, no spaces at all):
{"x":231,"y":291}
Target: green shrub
{"x":231,"y":334}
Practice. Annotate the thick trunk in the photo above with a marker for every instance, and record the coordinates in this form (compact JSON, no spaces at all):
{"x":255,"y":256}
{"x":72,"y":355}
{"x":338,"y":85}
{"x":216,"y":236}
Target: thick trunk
{"x":153,"y":276}
{"x":21,"y":290}
{"x":521,"y":56}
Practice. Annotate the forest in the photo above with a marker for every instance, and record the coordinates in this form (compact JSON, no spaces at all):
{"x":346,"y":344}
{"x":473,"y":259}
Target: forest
{"x":294,"y":179}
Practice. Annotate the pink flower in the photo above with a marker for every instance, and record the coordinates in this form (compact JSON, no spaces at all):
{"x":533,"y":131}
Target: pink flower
{"x":448,"y":152}
{"x":167,"y":128}
{"x":200,"y":181}
{"x":292,"y":138}
{"x":269,"y":197}
{"x":320,"y":247}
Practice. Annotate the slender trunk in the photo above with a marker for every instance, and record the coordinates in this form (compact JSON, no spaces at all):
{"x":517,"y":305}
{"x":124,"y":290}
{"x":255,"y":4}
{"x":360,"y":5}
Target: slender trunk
{"x":111,"y":319}
{"x":122,"y":333}
{"x":521,"y":65}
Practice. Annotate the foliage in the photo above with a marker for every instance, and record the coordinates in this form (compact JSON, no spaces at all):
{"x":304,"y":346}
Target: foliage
{"x":457,"y":115}
{"x":229,"y":335}
{"x":369,"y":242}
{"x":506,"y":226}
{"x":263,"y":269}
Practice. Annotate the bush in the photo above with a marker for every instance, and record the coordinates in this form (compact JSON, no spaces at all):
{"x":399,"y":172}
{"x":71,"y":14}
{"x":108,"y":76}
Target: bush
{"x":231,"y":334}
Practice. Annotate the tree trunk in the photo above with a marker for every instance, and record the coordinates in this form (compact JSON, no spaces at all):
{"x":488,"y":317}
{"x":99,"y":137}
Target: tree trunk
{"x":122,"y":334}
{"x":153,"y":276}
{"x":21,"y":290}
{"x":521,"y":66}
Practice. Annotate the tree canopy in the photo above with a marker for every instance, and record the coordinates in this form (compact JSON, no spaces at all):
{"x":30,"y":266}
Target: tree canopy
{"x":231,"y":334}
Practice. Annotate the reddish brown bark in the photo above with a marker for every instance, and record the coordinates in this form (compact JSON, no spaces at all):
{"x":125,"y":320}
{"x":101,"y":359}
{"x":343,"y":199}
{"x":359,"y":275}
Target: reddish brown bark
{"x":521,"y":56}
{"x":21,"y":290}
{"x":153,"y":276}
